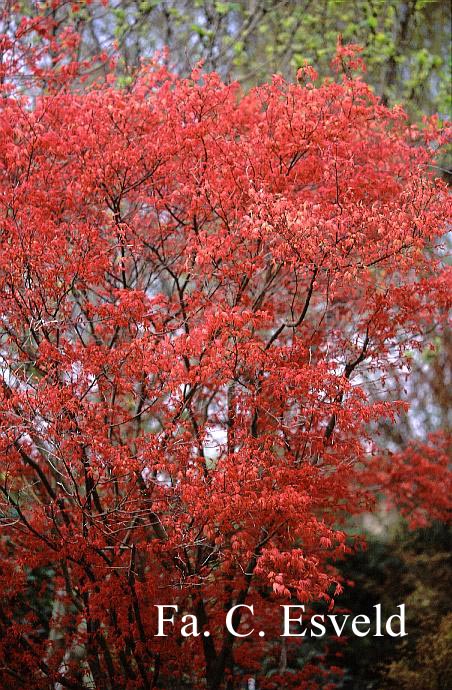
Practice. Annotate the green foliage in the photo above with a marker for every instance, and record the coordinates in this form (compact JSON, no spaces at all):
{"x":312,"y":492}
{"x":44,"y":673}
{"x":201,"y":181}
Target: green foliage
{"x":431,"y":667}
{"x":411,"y":568}
{"x":406,"y":44}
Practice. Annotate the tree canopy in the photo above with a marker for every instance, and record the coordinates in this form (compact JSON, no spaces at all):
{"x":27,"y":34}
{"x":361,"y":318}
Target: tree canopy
{"x":203,"y":290}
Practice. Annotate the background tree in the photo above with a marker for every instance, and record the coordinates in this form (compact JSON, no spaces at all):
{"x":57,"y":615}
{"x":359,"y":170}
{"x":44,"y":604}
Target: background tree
{"x":406,"y":42}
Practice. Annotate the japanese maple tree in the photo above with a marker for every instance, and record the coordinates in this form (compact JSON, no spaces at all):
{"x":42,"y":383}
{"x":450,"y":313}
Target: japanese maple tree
{"x":191,"y":281}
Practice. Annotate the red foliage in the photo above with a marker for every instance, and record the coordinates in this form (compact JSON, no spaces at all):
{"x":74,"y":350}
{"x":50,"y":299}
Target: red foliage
{"x":191,"y":280}
{"x":416,"y":480}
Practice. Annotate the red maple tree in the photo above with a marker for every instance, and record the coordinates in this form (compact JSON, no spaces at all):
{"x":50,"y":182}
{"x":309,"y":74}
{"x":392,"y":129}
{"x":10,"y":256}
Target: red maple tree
{"x":191,"y":280}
